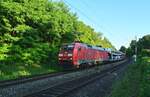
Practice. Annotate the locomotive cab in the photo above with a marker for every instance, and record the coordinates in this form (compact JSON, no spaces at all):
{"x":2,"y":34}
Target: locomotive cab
{"x":66,"y":55}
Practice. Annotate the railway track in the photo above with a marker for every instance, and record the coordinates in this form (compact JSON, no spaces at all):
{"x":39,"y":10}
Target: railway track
{"x":22,"y":80}
{"x":34,"y":84}
{"x":61,"y":90}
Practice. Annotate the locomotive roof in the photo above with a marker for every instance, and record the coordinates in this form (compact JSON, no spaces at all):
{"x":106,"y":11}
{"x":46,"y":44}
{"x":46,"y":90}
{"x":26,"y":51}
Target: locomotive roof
{"x":93,"y":47}
{"x":114,"y":52}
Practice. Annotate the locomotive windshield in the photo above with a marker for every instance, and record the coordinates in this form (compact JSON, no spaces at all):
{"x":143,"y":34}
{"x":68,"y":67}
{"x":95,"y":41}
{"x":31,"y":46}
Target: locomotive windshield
{"x":67,"y":47}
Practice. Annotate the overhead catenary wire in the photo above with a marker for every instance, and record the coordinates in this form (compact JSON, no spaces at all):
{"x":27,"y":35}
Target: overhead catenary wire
{"x":101,"y":26}
{"x":88,"y":18}
{"x":69,"y":4}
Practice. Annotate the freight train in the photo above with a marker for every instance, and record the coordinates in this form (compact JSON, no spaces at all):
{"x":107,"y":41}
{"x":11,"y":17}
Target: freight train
{"x":76,"y":55}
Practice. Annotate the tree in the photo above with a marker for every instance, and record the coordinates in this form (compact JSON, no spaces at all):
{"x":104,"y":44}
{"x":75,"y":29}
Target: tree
{"x":142,"y":44}
{"x":122,"y":49}
{"x":33,"y":30}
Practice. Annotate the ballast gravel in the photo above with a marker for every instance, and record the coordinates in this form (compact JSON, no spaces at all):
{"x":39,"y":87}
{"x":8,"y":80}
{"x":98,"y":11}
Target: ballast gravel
{"x":101,"y":87}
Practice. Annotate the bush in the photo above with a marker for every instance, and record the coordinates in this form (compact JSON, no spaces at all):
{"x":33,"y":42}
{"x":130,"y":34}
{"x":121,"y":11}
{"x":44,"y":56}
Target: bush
{"x":145,"y":52}
{"x":136,"y":82}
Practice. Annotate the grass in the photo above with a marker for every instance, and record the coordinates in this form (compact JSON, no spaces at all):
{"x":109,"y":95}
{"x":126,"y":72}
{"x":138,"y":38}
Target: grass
{"x":15,"y":71}
{"x":136,"y":82}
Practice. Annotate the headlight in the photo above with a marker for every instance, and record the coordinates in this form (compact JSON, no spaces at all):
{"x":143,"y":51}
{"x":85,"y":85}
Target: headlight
{"x":69,"y":54}
{"x":60,"y":55}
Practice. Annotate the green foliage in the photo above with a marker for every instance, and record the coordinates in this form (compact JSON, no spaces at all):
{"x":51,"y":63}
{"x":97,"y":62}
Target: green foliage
{"x":136,"y":82}
{"x":129,"y":86}
{"x":129,"y":52}
{"x":31,"y":32}
{"x":145,"y":52}
{"x":123,"y":49}
{"x":145,"y":82}
{"x":142,"y":43}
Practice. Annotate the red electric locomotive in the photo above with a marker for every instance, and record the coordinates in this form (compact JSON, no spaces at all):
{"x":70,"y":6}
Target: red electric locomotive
{"x":80,"y":54}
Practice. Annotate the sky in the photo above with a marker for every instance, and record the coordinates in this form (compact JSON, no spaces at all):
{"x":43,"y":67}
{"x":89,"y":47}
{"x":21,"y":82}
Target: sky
{"x":119,"y":20}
